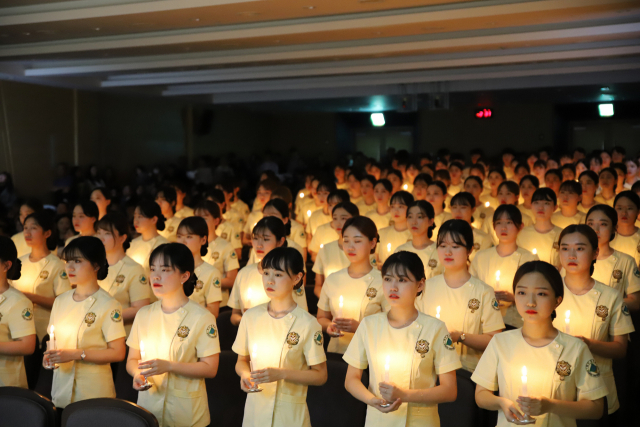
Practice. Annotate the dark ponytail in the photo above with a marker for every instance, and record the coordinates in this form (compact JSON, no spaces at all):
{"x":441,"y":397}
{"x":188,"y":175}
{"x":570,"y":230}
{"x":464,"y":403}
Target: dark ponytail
{"x":46,"y":220}
{"x":178,"y":257}
{"x":91,"y":249}
{"x":149,"y":210}
{"x":115,"y":221}
{"x":9,"y":253}
{"x":283,"y":208}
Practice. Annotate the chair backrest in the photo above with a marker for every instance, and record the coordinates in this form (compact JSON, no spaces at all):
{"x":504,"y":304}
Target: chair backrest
{"x":45,"y":382}
{"x":345,"y":410}
{"x":227,"y":330}
{"x":22,"y":407}
{"x":226,"y":398}
{"x":104,"y":412}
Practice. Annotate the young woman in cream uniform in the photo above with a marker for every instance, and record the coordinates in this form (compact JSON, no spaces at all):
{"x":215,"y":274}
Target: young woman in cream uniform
{"x":598,"y":314}
{"x":436,"y":195}
{"x":381,"y":215}
{"x":17,"y":329}
{"x":279,"y":347}
{"x":462,"y":207}
{"x":483,"y":214}
{"x":26,"y":209}
{"x":563,"y":380}
{"x":405,"y":350}
{"x":166,"y":198}
{"x":85,"y":214}
{"x":627,"y":240}
{"x":89,"y":334}
{"x":589,"y":182}
{"x":101,"y":197}
{"x":147,"y":220}
{"x":397,"y":233}
{"x":181,"y":344}
{"x":359,"y":286}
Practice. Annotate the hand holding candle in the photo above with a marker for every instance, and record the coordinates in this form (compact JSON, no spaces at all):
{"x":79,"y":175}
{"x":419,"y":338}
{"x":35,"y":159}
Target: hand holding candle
{"x":51,"y":345}
{"x":340,"y":305}
{"x":524,"y":392}
{"x":143,"y":356}
{"x":252,"y":366}
{"x":497,"y":279}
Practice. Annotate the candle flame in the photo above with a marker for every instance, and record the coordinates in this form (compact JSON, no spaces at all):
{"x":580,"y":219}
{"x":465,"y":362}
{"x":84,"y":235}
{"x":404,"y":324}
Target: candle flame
{"x":302,"y":195}
{"x":567,"y":314}
{"x":498,"y":275}
{"x":486,"y":205}
{"x":340,"y":304}
{"x":321,"y":245}
{"x":406,"y":187}
{"x":141,"y":347}
{"x":524,"y":371}
{"x":309,"y":213}
{"x":52,"y":330}
{"x":438,"y":310}
{"x":534,"y":251}
{"x":388,"y":247}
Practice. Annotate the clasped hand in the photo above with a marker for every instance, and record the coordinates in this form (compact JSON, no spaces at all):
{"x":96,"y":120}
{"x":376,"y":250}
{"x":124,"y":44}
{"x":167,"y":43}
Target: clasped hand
{"x":345,"y":325}
{"x":60,"y":356}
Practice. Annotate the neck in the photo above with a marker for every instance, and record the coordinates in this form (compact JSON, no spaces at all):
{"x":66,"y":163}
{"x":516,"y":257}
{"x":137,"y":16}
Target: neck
{"x":494,"y":192}
{"x":4,"y":284}
{"x":543,"y":225}
{"x":527,"y":204}
{"x":369,"y":200}
{"x":506,"y":248}
{"x":197,"y":260}
{"x":87,"y":232}
{"x":400,"y":225}
{"x":539,"y":331}
{"x":167,"y":215}
{"x":39,"y":252}
{"x":383,"y":208}
{"x":149,"y":234}
{"x":180,"y":205}
{"x":172,"y":302}
{"x":604,"y":250}
{"x":85,"y":290}
{"x":325,"y":210}
{"x":282,"y":305}
{"x":421,"y":241}
{"x":355,"y":194}
{"x":401,"y":316}
{"x":569,"y":211}
{"x":360,"y":268}
{"x":437,"y":210}
{"x":579,"y":282}
{"x":456,"y":277}
{"x":115,"y":255}
{"x":607,"y":193}
{"x":588,"y":200}
{"x":626,"y":229}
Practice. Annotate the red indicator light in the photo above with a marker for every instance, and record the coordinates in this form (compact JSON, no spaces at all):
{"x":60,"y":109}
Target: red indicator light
{"x":484,"y":113}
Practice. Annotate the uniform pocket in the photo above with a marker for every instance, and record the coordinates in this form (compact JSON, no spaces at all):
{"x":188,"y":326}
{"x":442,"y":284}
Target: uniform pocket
{"x":186,"y":408}
{"x":92,"y":385}
{"x":291,"y":411}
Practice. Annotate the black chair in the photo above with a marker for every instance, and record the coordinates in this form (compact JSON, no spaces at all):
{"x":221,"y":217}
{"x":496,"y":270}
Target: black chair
{"x":312,"y":299}
{"x":227,"y":330}
{"x":226,"y":398}
{"x":124,"y":383}
{"x":331,"y":404}
{"x":45,"y":382}
{"x":22,"y":407}
{"x":105,"y":412}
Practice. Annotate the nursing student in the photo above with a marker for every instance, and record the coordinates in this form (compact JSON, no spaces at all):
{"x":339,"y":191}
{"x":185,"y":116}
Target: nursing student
{"x":354,"y":188}
{"x":147,"y":220}
{"x":308,"y":205}
{"x":85,"y":215}
{"x":126,"y":280}
{"x":589,"y":182}
{"x":597,"y":313}
{"x":173,"y":344}
{"x":26,"y":209}
{"x":269,"y":233}
{"x":613,"y":268}
{"x":331,"y":257}
{"x":17,"y":329}
{"x":410,"y":355}
{"x":495,"y":178}
{"x":608,"y":178}
{"x":264,"y":190}
{"x":102,"y":198}
{"x":436,"y":195}
{"x":497,"y":266}
{"x":327,"y":233}
{"x":181,"y":187}
{"x":420,"y":185}
{"x":323,"y":215}
{"x":228,"y":229}
{"x":279,"y":347}
{"x":381,"y":215}
{"x":220,"y":253}
{"x":627,"y":240}
{"x":463,"y":207}
{"x":193,"y":233}
{"x":358,"y":286}
{"x":86,"y":328}
{"x":542,"y":238}
{"x":473,"y":186}
{"x":468,"y":307}
{"x":508,"y":194}
{"x":420,"y":216}
{"x":563,"y":381}
{"x":368,"y":200}
{"x":528,"y":185}
{"x":397,"y":233}
{"x":166,"y":198}
{"x":568,"y":199}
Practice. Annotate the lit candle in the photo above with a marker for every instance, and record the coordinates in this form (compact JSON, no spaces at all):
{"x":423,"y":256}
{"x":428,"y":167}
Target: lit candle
{"x":340,"y":304}
{"x":498,"y":279}
{"x":254,"y":356}
{"x":406,"y":187}
{"x":524,"y":392}
{"x":302,"y":195}
{"x":386,"y":369}
{"x":249,"y":292}
{"x":52,"y":337}
{"x":143,"y":355}
{"x":388,"y":247}
{"x":567,"y":321}
{"x":487,"y":204}
{"x":534,"y":251}
{"x":321,"y":245}
{"x":437,"y":312}
{"x":309,"y":213}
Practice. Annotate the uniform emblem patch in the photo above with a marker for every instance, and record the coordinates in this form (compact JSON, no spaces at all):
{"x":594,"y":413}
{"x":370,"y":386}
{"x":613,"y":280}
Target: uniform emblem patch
{"x":116,"y":315}
{"x":556,"y":245}
{"x":120,"y":278}
{"x":625,"y":310}
{"x":433,"y":263}
{"x":90,"y":319}
{"x":483,"y":215}
{"x":318,"y":338}
{"x":63,"y":275}
{"x":494,"y":304}
{"x":474,"y":304}
{"x":300,"y":291}
{"x":592,"y":368}
{"x":27,"y":314}
{"x":170,"y":229}
{"x":224,"y":236}
{"x":422,"y":347}
{"x":302,"y":235}
{"x":143,"y":279}
{"x":617,"y":274}
{"x":293,"y":339}
{"x":44,"y":275}
{"x":199,"y":285}
{"x":183,"y":332}
{"x":212,"y":331}
{"x":563,"y":369}
{"x":602,"y":312}
{"x":372,"y":292}
{"x":637,"y":273}
{"x":233,"y":255}
{"x":216,"y":282}
{"x":448,"y":342}
{"x":215,"y":255}
{"x":476,"y":246}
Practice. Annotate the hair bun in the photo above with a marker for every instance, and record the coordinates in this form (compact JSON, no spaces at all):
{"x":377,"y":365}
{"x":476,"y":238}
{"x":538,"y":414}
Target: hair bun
{"x":15,"y":271}
{"x":430,"y":230}
{"x":190,"y":285}
{"x":103,"y":272}
{"x":160,"y":223}
{"x":553,"y":315}
{"x":204,"y":249}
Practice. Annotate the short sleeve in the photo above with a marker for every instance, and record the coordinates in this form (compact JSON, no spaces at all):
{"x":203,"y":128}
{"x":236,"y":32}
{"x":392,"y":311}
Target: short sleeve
{"x":620,"y":323}
{"x":313,"y":348}
{"x":446,"y":359}
{"x":61,"y":282}
{"x":323,"y":302}
{"x":133,"y":339}
{"x":300,"y":238}
{"x":139,"y":287}
{"x":633,"y":279}
{"x":19,"y":321}
{"x":208,"y":342}
{"x":241,"y":344}
{"x":318,"y":266}
{"x":214,"y":292}
{"x":589,"y":381}
{"x":112,"y":327}
{"x":491,"y":315}
{"x":356,"y":354}
{"x":486,"y":372}
{"x":230,"y":260}
{"x":234,"y":295}
{"x":314,"y":245}
{"x":473,"y":268}
{"x":235,"y":240}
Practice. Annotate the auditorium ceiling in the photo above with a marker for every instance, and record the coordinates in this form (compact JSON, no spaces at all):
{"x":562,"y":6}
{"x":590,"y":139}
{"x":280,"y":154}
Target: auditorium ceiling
{"x":247,"y":51}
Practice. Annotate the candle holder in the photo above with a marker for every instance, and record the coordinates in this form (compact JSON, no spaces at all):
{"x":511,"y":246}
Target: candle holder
{"x":528,"y":419}
{"x":254,"y":388}
{"x":51,"y":345}
{"x":386,"y":379}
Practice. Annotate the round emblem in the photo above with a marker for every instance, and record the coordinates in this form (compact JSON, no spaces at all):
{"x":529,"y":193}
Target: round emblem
{"x":474,"y":304}
{"x":120,"y":278}
{"x":170,"y":229}
{"x":293,"y":339}
{"x":483,"y":215}
{"x":617,"y":274}
{"x":183,"y":332}
{"x":302,"y":235}
{"x":494,"y":304}
{"x":237,"y":236}
{"x":224,"y":236}
{"x":90,"y":318}
{"x":212,"y":331}
{"x":318,"y":338}
{"x":300,"y":291}
{"x":433,"y":263}
{"x":143,"y":279}
{"x":422,"y":347}
{"x":63,"y":275}
{"x":592,"y":368}
{"x":602,"y":312}
{"x":215,"y":255}
{"x":391,"y":222}
{"x":372,"y":292}
{"x":27,"y":314}
{"x":116,"y":315}
{"x":448,"y":342}
{"x":625,"y":310}
{"x":563,"y":369}
{"x":44,"y":275}
{"x":216,"y":282}
{"x":637,"y":273}
{"x":234,"y":255}
{"x":476,"y":246}
{"x":199,"y":284}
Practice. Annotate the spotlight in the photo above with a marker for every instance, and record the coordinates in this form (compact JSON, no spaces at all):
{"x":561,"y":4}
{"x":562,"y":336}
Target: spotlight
{"x":606,"y":110}
{"x":377,"y":119}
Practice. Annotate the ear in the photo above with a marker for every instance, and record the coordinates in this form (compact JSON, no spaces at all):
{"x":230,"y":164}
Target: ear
{"x":47,"y":234}
{"x":558,"y":301}
{"x":6,"y":266}
{"x":521,"y":227}
{"x":184,"y":277}
{"x":203,"y":240}
{"x":122,"y":239}
{"x":281,"y":242}
{"x":421,"y":285}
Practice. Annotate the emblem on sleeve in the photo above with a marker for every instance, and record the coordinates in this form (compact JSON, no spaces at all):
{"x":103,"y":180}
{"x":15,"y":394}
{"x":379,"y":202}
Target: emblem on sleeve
{"x":433,"y":263}
{"x":625,"y":309}
{"x":215,"y":255}
{"x":116,"y":315}
{"x":233,"y":255}
{"x":212,"y":331}
{"x":391,"y":222}
{"x":637,"y":273}
{"x":293,"y":339}
{"x":476,"y":246}
{"x":63,"y":275}
{"x":300,"y":291}
{"x":90,"y":319}
{"x":44,"y":275}
{"x":494,"y":304}
{"x":602,"y":312}
{"x":302,"y":234}
{"x":422,"y":347}
{"x":483,"y":215}
{"x":224,"y":236}
{"x":318,"y":338}
{"x":474,"y":304}
{"x":592,"y":368}
{"x":216,"y":282}
{"x":448,"y":342}
{"x":143,"y":279}
{"x":183,"y":332}
{"x":372,"y":292}
{"x":199,"y":284}
{"x":563,"y":369}
{"x":170,"y":229}
{"x":27,"y":314}
{"x":617,"y":274}
{"x":120,"y":278}
{"x":237,"y":236}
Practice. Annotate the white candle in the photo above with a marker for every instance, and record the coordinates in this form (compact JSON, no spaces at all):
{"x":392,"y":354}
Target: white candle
{"x":309,"y":213}
{"x":567,"y":322}
{"x":388,"y":247}
{"x":254,"y":355}
{"x":340,"y":304}
{"x":249,"y":292}
{"x":534,"y":251}
{"x":386,"y":369}
{"x":52,"y":338}
{"x":302,"y":195}
{"x":143,"y":354}
{"x":487,"y":204}
{"x":406,"y":186}
{"x":524,"y":392}
{"x":498,"y":279}
{"x":437,"y":312}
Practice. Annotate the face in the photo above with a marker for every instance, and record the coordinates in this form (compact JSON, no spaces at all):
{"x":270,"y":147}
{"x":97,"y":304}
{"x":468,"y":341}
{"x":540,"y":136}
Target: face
{"x":607,"y":180}
{"x":552,"y":164}
{"x":396,"y":182}
{"x":263,"y":195}
{"x":602,"y":225}
{"x":80,"y":271}
{"x":506,"y":230}
{"x":98,"y":198}
{"x":212,"y":222}
{"x":321,"y":196}
{"x":338,"y":172}
{"x":381,"y":194}
{"x":606,"y":159}
{"x":543,"y":208}
{"x":507,"y":159}
{"x":25,"y":211}
{"x":165,"y":206}
{"x":111,"y":239}
{"x":418,"y":221}
{"x":565,"y":160}
{"x":401,"y":290}
{"x":580,"y":167}
{"x":412,"y":172}
{"x":435,"y":196}
{"x":339,"y":217}
{"x":463,"y":212}
{"x":398,"y":211}
{"x":165,"y":280}
{"x":495,"y":179}
{"x":142,"y":223}
{"x":568,"y":198}
{"x":419,"y":190}
{"x":354,"y":184}
{"x":455,"y":173}
{"x":452,"y":255}
{"x":520,"y":173}
{"x":271,"y":211}
{"x":535,"y":298}
{"x":568,"y":175}
{"x":264,"y":242}
{"x":539,"y":171}
{"x":82,"y":223}
{"x":627,"y":211}
{"x":278,"y":283}
{"x":375,"y":171}
{"x":190,"y":240}
{"x":34,"y":235}
{"x":506,"y":197}
{"x":476,"y":172}
{"x":632,"y":170}
{"x":553,"y":182}
{"x":595,"y":165}
{"x":64,"y":225}
{"x":356,"y":245}
{"x":617,"y":157}
{"x":576,"y":253}
{"x":532,"y":159}
{"x":366,"y":188}
{"x":527,"y":189}
{"x":314,"y":187}
{"x":589,"y":187}
{"x":441,"y":165}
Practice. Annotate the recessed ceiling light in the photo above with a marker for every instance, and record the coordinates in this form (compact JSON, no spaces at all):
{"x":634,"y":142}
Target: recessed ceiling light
{"x":249,"y":13}
{"x":97,"y":28}
{"x":26,"y":34}
{"x":309,"y":7}
{"x":195,"y":19}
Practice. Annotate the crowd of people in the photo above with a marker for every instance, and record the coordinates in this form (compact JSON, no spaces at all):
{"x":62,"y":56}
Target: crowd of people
{"x":461,"y":286}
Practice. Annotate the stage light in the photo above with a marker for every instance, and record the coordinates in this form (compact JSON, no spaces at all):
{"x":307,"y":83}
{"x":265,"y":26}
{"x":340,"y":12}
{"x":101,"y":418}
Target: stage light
{"x":377,"y":119}
{"x":606,"y":110}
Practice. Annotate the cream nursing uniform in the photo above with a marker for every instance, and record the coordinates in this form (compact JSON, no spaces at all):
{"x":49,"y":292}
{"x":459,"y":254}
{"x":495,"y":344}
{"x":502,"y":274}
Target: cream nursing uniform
{"x":242,"y":208}
{"x":127,"y":282}
{"x":390,"y":239}
{"x":291,"y":342}
{"x":21,"y":244}
{"x":323,"y":235}
{"x":493,"y":201}
{"x":251,"y":221}
{"x":16,"y":321}
{"x":89,"y":325}
{"x":529,"y":212}
{"x":140,"y":250}
{"x":208,"y":285}
{"x":629,"y":245}
{"x":363,"y":207}
{"x":186,"y":335}
{"x":428,"y":256}
{"x":47,"y":278}
{"x":297,"y":233}
{"x":546,"y":245}
{"x":250,"y":278}
{"x":171,"y":229}
{"x":618,"y":271}
{"x":481,"y":240}
{"x":418,"y":353}
{"x":485,"y":265}
{"x":227,"y":232}
{"x":602,"y":201}
{"x":563,"y":369}
{"x":253,"y":258}
{"x":381,"y":221}
{"x":599,"y":314}
{"x":316,"y":220}
{"x":223,"y":257}
{"x":362,"y":297}
{"x":455,"y":189}
{"x":472,"y":308}
{"x":331,"y":258}
{"x":563,"y":221}
{"x":184,"y":212}
{"x":440,"y":219}
{"x":483,"y":217}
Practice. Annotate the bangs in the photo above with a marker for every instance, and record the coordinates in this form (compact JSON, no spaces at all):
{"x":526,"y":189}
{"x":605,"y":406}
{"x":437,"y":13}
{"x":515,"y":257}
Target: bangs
{"x":398,"y":269}
{"x":260,"y":229}
{"x":279,"y":261}
{"x":72,"y":252}
{"x":106,"y":226}
{"x":455,"y":236}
